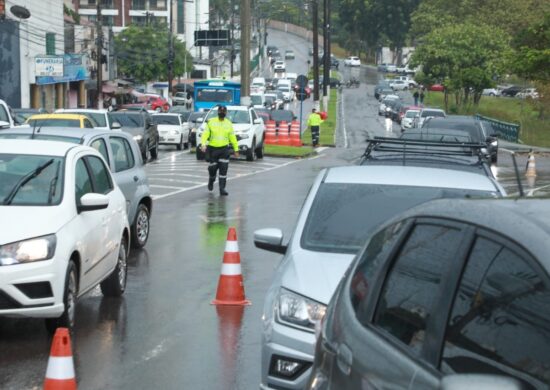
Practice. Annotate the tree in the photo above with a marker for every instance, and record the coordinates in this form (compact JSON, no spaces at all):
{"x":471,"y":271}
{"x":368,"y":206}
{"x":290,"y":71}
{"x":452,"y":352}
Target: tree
{"x":142,"y":53}
{"x":465,"y":57}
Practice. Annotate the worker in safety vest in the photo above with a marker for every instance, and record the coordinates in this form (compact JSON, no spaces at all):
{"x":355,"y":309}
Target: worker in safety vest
{"x":215,"y":143}
{"x":314,"y":122}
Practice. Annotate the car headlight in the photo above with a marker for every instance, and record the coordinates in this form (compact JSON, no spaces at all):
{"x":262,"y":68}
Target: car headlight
{"x":27,"y":251}
{"x":298,"y":310}
{"x":494,"y":143}
{"x":242,"y":136}
{"x":174,"y":132}
{"x":138,"y":137}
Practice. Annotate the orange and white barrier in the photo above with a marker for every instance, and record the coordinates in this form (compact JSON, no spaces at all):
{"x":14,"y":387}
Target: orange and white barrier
{"x":230,"y":285}
{"x":283,"y":137}
{"x":295,"y":134}
{"x":270,"y":133}
{"x":60,"y":372}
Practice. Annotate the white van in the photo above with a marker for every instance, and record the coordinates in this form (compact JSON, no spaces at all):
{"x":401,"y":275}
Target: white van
{"x":285,"y":86}
{"x":258,"y":85}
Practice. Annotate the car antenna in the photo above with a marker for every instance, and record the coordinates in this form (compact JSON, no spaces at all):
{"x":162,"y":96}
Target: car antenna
{"x":34,"y":129}
{"x":518,"y":179}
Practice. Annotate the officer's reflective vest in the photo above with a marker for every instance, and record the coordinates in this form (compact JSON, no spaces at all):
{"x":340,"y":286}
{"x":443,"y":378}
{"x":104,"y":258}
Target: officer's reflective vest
{"x":219,"y":133}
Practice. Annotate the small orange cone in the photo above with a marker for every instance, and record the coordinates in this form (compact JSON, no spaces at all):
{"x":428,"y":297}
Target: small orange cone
{"x":531,"y":170}
{"x":230,"y":286}
{"x":60,"y":371}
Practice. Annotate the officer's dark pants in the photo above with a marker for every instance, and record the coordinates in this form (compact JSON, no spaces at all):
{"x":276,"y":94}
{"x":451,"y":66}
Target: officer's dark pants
{"x":219,"y":159}
{"x":315,"y":135}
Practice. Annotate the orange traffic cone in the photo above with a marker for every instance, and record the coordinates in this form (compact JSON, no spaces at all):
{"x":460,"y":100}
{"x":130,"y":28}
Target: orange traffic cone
{"x":60,"y":371}
{"x":283,"y":137}
{"x":270,"y":133}
{"x":531,"y":170}
{"x":230,"y":285}
{"x":295,"y":136}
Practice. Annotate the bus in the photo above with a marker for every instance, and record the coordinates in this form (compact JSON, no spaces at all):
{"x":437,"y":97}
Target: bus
{"x":209,"y":93}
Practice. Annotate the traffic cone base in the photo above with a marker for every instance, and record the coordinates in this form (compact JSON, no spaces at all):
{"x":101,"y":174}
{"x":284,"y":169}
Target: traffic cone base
{"x":60,"y":373}
{"x":230,"y":285}
{"x":531,"y":170}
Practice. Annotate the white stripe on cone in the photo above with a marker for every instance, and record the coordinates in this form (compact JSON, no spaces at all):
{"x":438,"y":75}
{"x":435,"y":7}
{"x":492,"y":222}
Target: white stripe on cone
{"x":231,"y":269}
{"x":231,"y":246}
{"x":60,"y":368}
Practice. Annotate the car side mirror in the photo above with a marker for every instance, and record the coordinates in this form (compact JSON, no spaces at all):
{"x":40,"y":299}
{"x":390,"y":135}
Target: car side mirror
{"x":257,"y":121}
{"x":479,"y":382}
{"x":92,"y":201}
{"x":116,"y":125}
{"x":270,"y":239}
{"x":4,"y":125}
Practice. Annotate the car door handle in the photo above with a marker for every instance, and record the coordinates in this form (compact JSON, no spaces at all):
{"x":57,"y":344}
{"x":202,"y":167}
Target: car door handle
{"x":136,"y":178}
{"x":344,"y":359}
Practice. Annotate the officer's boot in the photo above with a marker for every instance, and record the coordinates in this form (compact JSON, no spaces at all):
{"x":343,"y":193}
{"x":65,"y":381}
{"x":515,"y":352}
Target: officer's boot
{"x":223,"y":192}
{"x":212,"y":169}
{"x":211,"y":180}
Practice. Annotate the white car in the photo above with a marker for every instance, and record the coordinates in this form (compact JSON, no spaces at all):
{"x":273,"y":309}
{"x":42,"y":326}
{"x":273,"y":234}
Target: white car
{"x":173,"y":130}
{"x":399,"y":85}
{"x":407,"y":121}
{"x":491,"y":92}
{"x":428,"y":113}
{"x":408,"y":80}
{"x":528,"y":93}
{"x":6,"y":120}
{"x":391,"y":68}
{"x":249,"y":129}
{"x":258,"y":85}
{"x":64,"y":229}
{"x":279,"y":66}
{"x":352,"y":61}
{"x":257,"y":100}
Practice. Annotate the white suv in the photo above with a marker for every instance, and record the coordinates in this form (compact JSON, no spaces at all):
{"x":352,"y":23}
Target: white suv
{"x":249,"y":130}
{"x":352,"y":61}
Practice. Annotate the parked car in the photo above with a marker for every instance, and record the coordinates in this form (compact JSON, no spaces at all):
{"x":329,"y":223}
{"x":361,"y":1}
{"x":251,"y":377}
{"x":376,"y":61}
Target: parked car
{"x":59,"y":120}
{"x":344,"y":205}
{"x":78,"y":237}
{"x":436,"y":88}
{"x":173,"y":130}
{"x":491,"y":92}
{"x":249,"y":130}
{"x":379,"y":87}
{"x":352,"y":61}
{"x":408,"y":119}
{"x":384,"y":103}
{"x":141,"y":126}
{"x":6,"y":117}
{"x":20,"y":115}
{"x":428,"y":113}
{"x":454,"y":294}
{"x":480,"y":131}
{"x":382,"y":67}
{"x":384,"y":92}
{"x":193,"y":123}
{"x":399,"y":85}
{"x":157,"y":103}
{"x":511,"y":91}
{"x":411,"y":83}
{"x":530,"y":93}
{"x":123,"y":157}
{"x":289,"y":55}
{"x":391,"y":68}
{"x":99,"y":118}
{"x":181,"y":99}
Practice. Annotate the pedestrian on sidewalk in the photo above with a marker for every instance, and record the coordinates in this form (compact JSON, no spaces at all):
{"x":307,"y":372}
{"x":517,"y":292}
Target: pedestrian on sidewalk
{"x":314,"y":122}
{"x":219,"y":135}
{"x":415,"y":96}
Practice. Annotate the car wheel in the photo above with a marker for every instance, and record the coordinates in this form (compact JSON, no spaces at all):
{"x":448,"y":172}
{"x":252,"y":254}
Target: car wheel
{"x":260,"y":150}
{"x":180,"y":145}
{"x":140,"y":228}
{"x":251,"y":153}
{"x":115,"y":284}
{"x":492,"y":94}
{"x":494,"y":158}
{"x":66,"y":320}
{"x":155,"y":151}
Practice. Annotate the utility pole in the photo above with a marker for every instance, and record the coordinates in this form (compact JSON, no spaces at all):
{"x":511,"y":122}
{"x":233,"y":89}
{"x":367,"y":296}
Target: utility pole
{"x":170,"y":53}
{"x":245,"y":52}
{"x":326,"y":45}
{"x":315,"y":12}
{"x":99,"y":56}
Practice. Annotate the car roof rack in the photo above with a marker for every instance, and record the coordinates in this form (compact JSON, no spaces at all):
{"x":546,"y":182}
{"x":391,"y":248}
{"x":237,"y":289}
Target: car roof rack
{"x":449,"y":152}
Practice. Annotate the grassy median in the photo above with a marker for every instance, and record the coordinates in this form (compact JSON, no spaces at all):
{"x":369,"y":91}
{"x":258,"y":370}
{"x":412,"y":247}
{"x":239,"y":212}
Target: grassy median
{"x":328,"y":128}
{"x":533,"y":131}
{"x":288,"y":151}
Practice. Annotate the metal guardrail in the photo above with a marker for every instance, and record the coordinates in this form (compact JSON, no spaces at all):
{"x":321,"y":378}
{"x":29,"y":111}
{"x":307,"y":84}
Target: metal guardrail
{"x":506,"y":131}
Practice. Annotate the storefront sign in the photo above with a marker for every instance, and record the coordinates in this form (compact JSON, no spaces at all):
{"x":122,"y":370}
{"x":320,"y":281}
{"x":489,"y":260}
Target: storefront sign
{"x":48,"y":66}
{"x":74,"y":68}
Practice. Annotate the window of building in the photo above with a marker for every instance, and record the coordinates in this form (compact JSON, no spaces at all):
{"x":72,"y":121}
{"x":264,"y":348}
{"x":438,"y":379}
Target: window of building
{"x":50,"y":44}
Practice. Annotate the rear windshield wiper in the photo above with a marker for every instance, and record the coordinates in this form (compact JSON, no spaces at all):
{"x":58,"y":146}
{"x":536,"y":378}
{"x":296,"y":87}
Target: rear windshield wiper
{"x":25,"y":179}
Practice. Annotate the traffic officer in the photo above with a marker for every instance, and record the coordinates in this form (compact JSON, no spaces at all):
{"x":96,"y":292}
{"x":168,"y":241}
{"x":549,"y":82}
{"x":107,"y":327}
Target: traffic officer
{"x":314,"y":122}
{"x":219,"y":134}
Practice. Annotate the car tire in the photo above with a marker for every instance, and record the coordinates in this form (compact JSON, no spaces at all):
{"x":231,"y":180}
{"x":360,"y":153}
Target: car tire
{"x":155,"y":151}
{"x":70,"y":293}
{"x":115,"y":284}
{"x":494,"y":158}
{"x":260,"y":150}
{"x":180,"y":145}
{"x":199,"y":153}
{"x":141,"y":227}
{"x":251,"y":152}
{"x":492,"y":94}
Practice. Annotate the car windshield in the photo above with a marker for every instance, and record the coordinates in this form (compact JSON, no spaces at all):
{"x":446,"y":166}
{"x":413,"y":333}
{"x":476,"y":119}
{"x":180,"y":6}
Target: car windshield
{"x":433,"y":113}
{"x":283,"y":88}
{"x":438,"y":136}
{"x":42,"y":136}
{"x":256,"y":100}
{"x":165,"y":120}
{"x":195,"y":115}
{"x":235,"y":116}
{"x":127,"y":120}
{"x":343,"y":214}
{"x":411,"y":114}
{"x":98,"y":119}
{"x":282,"y":115}
{"x":54,"y":122}
{"x":30,"y":180}
{"x":22,"y":116}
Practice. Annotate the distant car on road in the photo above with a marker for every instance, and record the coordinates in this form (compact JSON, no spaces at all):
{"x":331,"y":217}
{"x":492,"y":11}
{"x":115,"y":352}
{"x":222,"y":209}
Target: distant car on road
{"x":173,"y":130}
{"x":99,"y":118}
{"x":352,"y":61}
{"x":289,"y":55}
{"x":279,"y":66}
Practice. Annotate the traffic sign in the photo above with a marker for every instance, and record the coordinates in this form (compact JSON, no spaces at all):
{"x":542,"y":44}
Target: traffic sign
{"x":301,"y":81}
{"x":301,"y":94}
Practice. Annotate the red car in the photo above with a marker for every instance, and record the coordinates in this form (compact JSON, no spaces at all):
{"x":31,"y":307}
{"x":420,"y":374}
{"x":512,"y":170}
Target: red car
{"x":157,"y":103}
{"x":436,"y":88}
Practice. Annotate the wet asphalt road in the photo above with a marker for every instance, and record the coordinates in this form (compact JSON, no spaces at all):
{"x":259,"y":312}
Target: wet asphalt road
{"x":164,"y":333}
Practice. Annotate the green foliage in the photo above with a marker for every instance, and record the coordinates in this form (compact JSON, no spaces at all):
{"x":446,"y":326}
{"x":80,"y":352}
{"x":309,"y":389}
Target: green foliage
{"x":69,"y":12}
{"x":142,"y":53}
{"x":465,"y":57}
{"x":532,"y":56}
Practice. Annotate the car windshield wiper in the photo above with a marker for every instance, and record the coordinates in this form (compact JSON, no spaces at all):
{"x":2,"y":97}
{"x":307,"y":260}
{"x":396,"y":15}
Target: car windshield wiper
{"x":25,"y":179}
{"x":53,"y":183}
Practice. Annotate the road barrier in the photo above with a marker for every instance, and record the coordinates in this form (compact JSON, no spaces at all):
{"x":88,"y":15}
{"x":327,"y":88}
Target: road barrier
{"x":270,"y":133}
{"x":282,"y":134}
{"x":230,"y":285}
{"x":60,"y":372}
{"x":295,"y":134}
{"x":506,"y":131}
